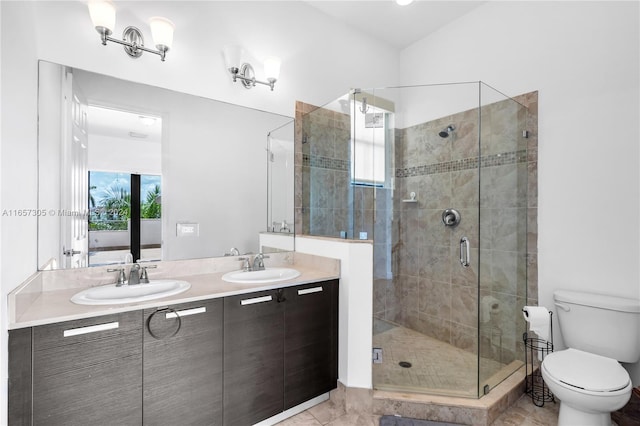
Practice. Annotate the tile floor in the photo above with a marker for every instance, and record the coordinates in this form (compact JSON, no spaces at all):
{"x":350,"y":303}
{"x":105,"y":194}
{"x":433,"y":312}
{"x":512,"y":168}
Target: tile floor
{"x":437,"y":366}
{"x":456,"y":372}
{"x":522,"y":413}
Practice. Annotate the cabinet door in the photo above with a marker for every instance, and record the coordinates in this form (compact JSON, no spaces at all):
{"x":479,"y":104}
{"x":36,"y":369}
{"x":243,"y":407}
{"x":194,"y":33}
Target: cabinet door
{"x":311,"y":343}
{"x":88,"y":371}
{"x":183,"y":364}
{"x":253,"y":357}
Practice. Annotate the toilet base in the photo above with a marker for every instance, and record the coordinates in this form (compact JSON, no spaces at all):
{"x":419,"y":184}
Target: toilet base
{"x":569,"y":416}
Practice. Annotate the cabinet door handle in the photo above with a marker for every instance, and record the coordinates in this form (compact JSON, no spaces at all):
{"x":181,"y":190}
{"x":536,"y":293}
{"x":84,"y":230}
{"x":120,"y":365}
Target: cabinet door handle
{"x":91,"y":329}
{"x":309,"y":290}
{"x":186,"y":312}
{"x":256,"y":300}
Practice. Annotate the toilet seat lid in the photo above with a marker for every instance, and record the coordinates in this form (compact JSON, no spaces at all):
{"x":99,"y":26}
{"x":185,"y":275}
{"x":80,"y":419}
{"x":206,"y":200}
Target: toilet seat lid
{"x":586,"y":371}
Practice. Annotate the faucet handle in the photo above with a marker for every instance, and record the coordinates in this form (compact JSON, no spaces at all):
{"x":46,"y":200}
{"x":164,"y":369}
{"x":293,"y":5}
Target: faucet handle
{"x":122,"y":278}
{"x":246,"y":266}
{"x":144,"y":278}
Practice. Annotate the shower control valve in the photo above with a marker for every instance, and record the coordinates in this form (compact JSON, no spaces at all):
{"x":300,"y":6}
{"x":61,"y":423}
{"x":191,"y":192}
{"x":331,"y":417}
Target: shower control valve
{"x":451,"y":217}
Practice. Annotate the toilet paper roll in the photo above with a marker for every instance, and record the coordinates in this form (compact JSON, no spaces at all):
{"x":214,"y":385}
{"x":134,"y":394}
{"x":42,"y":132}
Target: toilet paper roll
{"x":539,"y":320}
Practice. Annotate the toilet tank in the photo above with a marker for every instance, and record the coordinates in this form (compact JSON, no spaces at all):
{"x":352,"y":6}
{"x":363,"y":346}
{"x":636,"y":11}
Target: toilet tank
{"x":599,"y":324}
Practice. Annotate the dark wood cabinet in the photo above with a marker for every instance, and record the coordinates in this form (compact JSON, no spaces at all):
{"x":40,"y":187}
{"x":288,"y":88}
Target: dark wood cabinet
{"x":280,"y":350}
{"x":88,"y":371}
{"x":182,"y":371}
{"x":253,"y":357}
{"x":19,"y":377}
{"x":235,"y":361}
{"x":311,"y":341}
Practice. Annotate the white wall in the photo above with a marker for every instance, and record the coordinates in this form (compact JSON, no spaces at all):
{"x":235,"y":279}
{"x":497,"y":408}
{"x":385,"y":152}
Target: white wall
{"x":321,"y":61}
{"x":114,"y":154}
{"x":18,"y":166}
{"x":213,"y":164}
{"x":583,"y":58}
{"x":355,"y":314}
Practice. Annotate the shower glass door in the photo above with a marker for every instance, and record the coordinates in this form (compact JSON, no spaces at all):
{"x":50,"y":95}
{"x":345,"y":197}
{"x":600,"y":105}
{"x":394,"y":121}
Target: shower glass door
{"x":436,"y":176}
{"x":426,"y":308}
{"x":504,"y":212}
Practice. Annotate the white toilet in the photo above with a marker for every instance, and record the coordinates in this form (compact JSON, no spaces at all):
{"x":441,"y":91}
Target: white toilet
{"x":599,"y":331}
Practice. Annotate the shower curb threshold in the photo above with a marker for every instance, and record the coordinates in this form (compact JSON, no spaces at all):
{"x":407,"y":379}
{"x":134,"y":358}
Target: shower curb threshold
{"x":466,"y":411}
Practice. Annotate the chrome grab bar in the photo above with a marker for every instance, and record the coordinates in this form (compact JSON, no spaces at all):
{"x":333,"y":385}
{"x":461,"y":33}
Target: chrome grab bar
{"x":465,"y":255}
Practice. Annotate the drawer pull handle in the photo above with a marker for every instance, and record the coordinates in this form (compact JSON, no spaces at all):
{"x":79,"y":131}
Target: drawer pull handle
{"x":186,"y":312}
{"x":309,"y":290}
{"x":91,"y":329}
{"x":256,"y":300}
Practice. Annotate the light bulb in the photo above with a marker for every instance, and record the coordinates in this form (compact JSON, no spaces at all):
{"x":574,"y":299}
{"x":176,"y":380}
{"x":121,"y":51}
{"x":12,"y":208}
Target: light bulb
{"x":162,"y":32}
{"x":272,"y":67}
{"x":103,"y":15}
{"x":233,"y":56}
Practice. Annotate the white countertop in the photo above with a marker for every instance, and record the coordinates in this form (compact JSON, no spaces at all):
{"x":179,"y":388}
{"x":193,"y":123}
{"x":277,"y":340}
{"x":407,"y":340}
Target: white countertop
{"x":54,"y":305}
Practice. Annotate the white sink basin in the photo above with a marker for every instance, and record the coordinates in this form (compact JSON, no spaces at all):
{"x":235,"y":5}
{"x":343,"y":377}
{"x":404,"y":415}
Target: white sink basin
{"x":112,"y":295}
{"x":270,"y":275}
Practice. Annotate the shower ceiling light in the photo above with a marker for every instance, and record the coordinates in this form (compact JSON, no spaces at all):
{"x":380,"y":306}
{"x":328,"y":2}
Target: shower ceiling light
{"x":103,"y":16}
{"x":404,"y":2}
{"x":245,"y":72}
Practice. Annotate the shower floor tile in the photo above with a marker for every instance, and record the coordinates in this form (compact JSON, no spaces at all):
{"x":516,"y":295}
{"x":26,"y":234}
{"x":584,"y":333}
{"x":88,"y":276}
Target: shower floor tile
{"x":436,"y":367}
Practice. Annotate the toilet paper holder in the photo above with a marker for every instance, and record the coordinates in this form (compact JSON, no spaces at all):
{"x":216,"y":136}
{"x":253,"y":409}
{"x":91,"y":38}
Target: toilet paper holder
{"x":535,"y":351}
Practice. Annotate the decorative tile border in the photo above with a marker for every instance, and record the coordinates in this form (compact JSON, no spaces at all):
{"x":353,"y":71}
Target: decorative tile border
{"x":324,"y":162}
{"x":501,"y":159}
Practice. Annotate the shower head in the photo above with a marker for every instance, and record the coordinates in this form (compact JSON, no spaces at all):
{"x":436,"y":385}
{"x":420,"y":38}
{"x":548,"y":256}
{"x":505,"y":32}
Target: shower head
{"x":446,"y":132}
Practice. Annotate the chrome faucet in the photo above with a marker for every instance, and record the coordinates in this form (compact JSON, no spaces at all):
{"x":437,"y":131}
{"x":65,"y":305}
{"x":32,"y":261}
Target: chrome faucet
{"x":258,"y":262}
{"x":233,"y":252}
{"x":134,"y":274}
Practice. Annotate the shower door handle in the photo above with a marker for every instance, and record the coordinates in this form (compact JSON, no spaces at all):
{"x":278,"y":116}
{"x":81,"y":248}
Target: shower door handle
{"x":465,"y":256}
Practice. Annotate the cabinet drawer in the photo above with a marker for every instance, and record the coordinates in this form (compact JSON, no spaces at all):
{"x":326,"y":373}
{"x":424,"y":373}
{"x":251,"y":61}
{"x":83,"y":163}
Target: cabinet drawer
{"x":88,"y":342}
{"x":83,"y":330}
{"x":88,"y":371}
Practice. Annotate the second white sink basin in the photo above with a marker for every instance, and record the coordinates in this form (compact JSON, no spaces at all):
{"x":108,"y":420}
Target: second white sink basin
{"x":269,"y":275}
{"x":112,"y":295}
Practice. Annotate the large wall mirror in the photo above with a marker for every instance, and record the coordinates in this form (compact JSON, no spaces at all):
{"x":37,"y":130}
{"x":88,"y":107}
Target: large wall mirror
{"x":129,"y":171}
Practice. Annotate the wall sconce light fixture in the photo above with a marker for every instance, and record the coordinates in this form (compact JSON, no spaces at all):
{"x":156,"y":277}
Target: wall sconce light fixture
{"x":103,"y":15}
{"x":245,"y":72}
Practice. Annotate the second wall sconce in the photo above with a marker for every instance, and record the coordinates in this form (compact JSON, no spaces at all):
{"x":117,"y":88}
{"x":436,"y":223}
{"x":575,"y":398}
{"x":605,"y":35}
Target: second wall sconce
{"x":103,"y":15}
{"x":245,"y":72}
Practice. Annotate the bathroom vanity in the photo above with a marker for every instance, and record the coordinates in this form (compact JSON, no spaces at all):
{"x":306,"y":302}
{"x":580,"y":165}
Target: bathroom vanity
{"x":236,"y":355}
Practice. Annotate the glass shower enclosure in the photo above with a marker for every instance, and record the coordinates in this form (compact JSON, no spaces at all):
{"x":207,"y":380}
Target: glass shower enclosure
{"x":437,"y":177}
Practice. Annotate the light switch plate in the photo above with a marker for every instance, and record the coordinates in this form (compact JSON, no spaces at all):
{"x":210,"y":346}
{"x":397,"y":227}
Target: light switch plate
{"x":188,"y":229}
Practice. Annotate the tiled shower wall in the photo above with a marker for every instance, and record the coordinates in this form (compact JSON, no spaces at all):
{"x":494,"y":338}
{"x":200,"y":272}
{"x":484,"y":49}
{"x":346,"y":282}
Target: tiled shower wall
{"x":323,"y":199}
{"x":326,"y":202}
{"x":418,"y":279}
{"x":430,"y":292}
